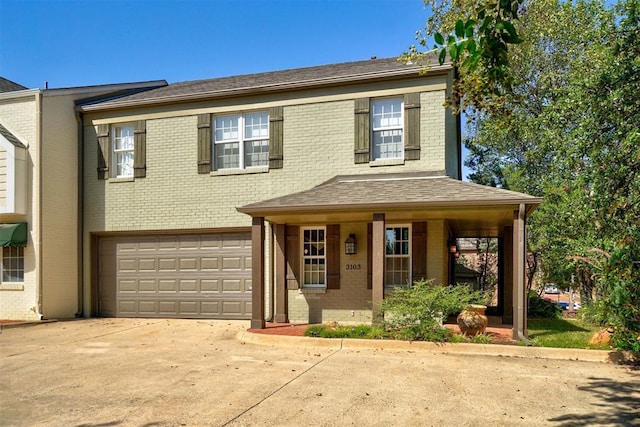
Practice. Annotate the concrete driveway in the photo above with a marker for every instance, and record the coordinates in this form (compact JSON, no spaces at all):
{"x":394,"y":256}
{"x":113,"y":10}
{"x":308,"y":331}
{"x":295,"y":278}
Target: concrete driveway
{"x":148,"y":372}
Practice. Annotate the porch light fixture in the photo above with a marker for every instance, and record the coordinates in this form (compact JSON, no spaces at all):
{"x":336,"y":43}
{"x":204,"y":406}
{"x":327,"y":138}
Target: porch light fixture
{"x":350,"y":245}
{"x":453,"y":248}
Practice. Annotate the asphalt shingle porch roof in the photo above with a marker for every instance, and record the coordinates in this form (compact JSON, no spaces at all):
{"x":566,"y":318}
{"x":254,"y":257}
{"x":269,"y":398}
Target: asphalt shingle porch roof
{"x":390,"y":191}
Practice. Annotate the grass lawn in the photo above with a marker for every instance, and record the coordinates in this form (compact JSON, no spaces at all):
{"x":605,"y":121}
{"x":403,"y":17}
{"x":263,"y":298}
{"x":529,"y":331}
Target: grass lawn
{"x":563,"y":333}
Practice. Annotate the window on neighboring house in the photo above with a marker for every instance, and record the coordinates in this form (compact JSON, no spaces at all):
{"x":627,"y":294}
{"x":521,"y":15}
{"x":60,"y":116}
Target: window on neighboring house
{"x":313,"y":257}
{"x":12,"y":264}
{"x":397,"y":256}
{"x":387,"y":123}
{"x":123,"y":143}
{"x":241,"y":140}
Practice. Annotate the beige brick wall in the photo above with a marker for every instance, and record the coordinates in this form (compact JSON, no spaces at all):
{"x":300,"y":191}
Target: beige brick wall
{"x":20,"y":301}
{"x":3,"y":177}
{"x":350,"y":303}
{"x":59,"y":191}
{"x":318,"y":145}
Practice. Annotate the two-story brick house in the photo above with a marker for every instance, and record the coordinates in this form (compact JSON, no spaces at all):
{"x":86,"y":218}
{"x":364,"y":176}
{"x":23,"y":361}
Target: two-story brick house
{"x":293,"y":196}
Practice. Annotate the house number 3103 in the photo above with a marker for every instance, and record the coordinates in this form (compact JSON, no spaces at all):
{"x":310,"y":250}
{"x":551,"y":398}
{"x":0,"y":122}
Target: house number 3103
{"x":354,"y":267}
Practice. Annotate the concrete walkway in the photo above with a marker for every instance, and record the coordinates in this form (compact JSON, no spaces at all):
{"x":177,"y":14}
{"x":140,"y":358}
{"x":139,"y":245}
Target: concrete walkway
{"x":158,"y":372}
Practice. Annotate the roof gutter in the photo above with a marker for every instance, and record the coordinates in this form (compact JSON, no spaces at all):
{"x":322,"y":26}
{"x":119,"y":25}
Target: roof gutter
{"x":313,"y":209}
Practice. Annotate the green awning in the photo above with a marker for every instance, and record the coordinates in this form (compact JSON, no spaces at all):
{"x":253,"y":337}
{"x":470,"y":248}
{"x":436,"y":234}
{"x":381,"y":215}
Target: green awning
{"x":13,"y":234}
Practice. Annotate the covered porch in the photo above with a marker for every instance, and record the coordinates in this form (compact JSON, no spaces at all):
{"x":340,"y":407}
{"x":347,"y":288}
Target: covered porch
{"x":335,"y":249}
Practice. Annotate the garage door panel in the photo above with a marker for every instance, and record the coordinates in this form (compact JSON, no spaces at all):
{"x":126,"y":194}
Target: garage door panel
{"x":147,"y":264}
{"x":210,"y":308}
{"x":125,"y":286}
{"x":167,"y":264}
{"x":168,"y":307}
{"x":209,"y":264}
{"x":209,"y":285}
{"x":188,"y":308}
{"x":147,"y":286}
{"x":189,"y":264}
{"x":127,"y":264}
{"x":127,"y":307}
{"x":205,"y":275}
{"x":168,"y":285}
{"x":188,"y":286}
{"x":232,"y":263}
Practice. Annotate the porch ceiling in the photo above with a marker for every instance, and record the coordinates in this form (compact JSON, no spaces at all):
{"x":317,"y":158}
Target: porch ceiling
{"x":470,"y":209}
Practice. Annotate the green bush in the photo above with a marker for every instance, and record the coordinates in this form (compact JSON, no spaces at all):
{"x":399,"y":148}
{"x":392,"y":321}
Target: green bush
{"x":597,"y":312}
{"x":541,"y":308}
{"x":416,"y":313}
{"x":355,"y":331}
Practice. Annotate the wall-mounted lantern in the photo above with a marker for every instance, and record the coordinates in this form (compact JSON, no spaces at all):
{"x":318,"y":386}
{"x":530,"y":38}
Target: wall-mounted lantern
{"x":350,"y":245}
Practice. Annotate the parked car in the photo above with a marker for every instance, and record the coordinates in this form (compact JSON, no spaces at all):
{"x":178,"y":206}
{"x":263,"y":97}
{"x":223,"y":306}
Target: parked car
{"x":551,"y":289}
{"x":576,"y":306}
{"x":563,"y":305}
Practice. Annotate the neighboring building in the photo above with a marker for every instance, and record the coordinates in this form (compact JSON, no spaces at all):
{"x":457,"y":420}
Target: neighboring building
{"x":39,"y":193}
{"x":237,"y":197}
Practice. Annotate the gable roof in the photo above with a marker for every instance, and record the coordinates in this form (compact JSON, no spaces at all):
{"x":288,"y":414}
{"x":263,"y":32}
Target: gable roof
{"x":9,"y":86}
{"x":10,"y":137}
{"x":323,"y":75}
{"x":390,"y":191}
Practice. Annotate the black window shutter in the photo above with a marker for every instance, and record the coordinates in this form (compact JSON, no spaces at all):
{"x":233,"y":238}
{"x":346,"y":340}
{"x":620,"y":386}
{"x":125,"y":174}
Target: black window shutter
{"x":333,"y":256}
{"x":412,"y":126}
{"x":140,"y":149}
{"x":362,"y":151}
{"x":104,"y":150}
{"x":292,"y":256}
{"x":276,"y":133}
{"x":204,"y":143}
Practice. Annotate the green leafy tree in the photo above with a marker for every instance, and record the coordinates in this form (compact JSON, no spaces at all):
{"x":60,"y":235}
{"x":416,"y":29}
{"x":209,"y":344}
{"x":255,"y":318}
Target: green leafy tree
{"x":562,"y":121}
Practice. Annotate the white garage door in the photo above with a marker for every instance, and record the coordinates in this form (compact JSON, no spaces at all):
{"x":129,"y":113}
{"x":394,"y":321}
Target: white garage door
{"x":187,"y":276}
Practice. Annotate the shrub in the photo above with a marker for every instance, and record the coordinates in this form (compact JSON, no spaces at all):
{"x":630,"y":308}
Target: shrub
{"x":416,"y":313}
{"x":539,"y":307}
{"x":355,"y":331}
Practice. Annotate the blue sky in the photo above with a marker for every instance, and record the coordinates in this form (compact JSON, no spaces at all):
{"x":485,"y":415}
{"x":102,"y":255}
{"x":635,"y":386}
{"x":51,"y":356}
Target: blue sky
{"x":75,"y":43}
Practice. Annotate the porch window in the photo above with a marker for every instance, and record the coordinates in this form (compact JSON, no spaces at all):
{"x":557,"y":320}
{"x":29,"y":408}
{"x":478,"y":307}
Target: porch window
{"x":313,"y":257}
{"x":397,"y":271}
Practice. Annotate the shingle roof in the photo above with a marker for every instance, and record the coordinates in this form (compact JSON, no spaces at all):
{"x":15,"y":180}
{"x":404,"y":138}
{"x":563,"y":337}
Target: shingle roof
{"x":408,"y":190}
{"x":9,"y":86}
{"x":274,"y":80}
{"x":10,"y":137}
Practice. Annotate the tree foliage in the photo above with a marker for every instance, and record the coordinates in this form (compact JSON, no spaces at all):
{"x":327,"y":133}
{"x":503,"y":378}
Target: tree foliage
{"x":561,"y":120}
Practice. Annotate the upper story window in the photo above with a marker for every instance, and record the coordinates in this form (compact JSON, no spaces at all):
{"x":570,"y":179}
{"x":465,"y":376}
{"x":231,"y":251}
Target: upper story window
{"x":397,"y":271}
{"x":12,"y":264}
{"x":314,"y":258}
{"x":387,"y":123}
{"x":241,"y":140}
{"x":123,"y":146}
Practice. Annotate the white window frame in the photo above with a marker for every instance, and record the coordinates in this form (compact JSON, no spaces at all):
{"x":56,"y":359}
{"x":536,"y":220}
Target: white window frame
{"x":304,"y":257}
{"x":385,"y":127}
{"x":398,"y":256}
{"x":241,"y":139}
{"x":115,"y":152}
{"x":9,"y":254}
